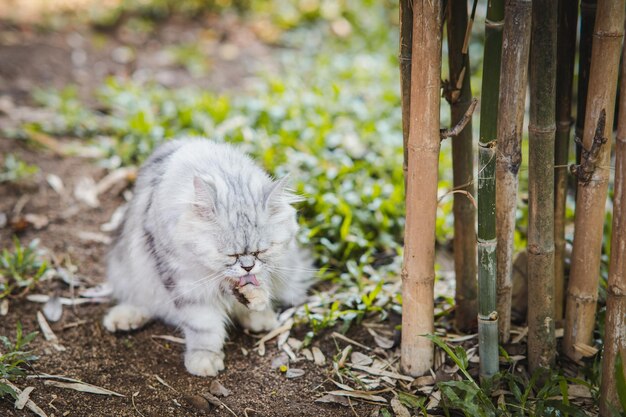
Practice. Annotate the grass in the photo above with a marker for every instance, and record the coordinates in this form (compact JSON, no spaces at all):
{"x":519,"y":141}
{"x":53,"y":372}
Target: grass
{"x":20,"y":269}
{"x":14,"y":360}
{"x":16,"y":171}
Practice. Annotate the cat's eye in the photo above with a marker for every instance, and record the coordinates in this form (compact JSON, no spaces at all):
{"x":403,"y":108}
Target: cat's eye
{"x":259,"y":252}
{"x":235,"y":255}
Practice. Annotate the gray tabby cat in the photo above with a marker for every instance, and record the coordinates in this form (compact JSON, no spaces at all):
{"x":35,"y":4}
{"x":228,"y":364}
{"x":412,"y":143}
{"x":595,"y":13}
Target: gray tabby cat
{"x":208,"y":236}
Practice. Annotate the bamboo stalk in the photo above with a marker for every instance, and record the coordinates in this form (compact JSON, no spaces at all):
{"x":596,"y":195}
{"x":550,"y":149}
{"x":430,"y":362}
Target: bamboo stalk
{"x":615,"y":319}
{"x":514,"y":74}
{"x":566,"y":52}
{"x":418,"y":273}
{"x":587,"y":21}
{"x":487,"y":315}
{"x":541,"y":129}
{"x":460,"y":98}
{"x":582,"y":292}
{"x":406,"y":38}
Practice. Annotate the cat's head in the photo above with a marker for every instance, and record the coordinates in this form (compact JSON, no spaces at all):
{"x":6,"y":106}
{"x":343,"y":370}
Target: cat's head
{"x":241,"y":228}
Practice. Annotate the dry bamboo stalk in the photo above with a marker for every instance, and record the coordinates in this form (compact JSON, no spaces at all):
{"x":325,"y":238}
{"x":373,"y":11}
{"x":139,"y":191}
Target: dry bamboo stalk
{"x":615,"y":321}
{"x":587,"y":20}
{"x":418,"y":273}
{"x":541,"y":129}
{"x":406,"y":36}
{"x":582,"y":291}
{"x":514,"y":75}
{"x":566,"y":52}
{"x":460,"y":98}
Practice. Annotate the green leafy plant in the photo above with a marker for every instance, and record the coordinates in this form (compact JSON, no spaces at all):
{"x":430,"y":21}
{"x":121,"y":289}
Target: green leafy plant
{"x":14,"y":359}
{"x":20,"y":269}
{"x":16,"y":170}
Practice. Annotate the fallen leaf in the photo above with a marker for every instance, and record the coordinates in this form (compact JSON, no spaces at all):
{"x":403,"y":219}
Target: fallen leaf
{"x":360,"y":395}
{"x":399,"y":409}
{"x":82,"y":387}
{"x":294,"y":373}
{"x":43,"y":298}
{"x":38,"y":221}
{"x":48,"y":334}
{"x":585,"y":350}
{"x":23,"y":398}
{"x":294,"y":343}
{"x":169,"y":338}
{"x":318,"y":356}
{"x":118,"y":178}
{"x":116,"y":219}
{"x":289,"y":352}
{"x":53,"y":309}
{"x":280,"y":360}
{"x":578,"y":391}
{"x":307,"y":354}
{"x":198,"y":402}
{"x":212,"y":399}
{"x":359,"y":358}
{"x":3,"y":219}
{"x":56,"y":183}
{"x":347,"y":339}
{"x":424,"y":380}
{"x":379,"y":372}
{"x":87,"y":192}
{"x":219,"y":390}
{"x":333,"y":399}
{"x":4,"y":307}
{"x":29,"y":403}
{"x":381,"y":341}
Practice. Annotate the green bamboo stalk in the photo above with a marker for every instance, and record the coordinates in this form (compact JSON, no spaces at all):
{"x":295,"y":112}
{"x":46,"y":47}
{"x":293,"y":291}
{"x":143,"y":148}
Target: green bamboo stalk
{"x":514,"y":75}
{"x":588,"y":10}
{"x":541,"y":129}
{"x":460,"y":96}
{"x":593,"y":177}
{"x":406,"y":41}
{"x":487,"y":315}
{"x":566,"y":53}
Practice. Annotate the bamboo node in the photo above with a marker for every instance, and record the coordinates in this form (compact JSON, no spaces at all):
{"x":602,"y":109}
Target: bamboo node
{"x":616,"y":290}
{"x":589,"y":157}
{"x":491,"y":317}
{"x":494,"y":25}
{"x":582,"y":299}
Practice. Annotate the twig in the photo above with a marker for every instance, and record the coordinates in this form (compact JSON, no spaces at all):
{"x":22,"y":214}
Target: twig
{"x":589,"y":157}
{"x":465,"y":192}
{"x":347,"y":339}
{"x":132,"y":399}
{"x":448,"y":133}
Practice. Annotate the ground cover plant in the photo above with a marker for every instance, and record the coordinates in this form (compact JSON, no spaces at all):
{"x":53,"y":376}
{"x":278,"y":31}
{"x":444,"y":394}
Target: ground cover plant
{"x":322,"y":105}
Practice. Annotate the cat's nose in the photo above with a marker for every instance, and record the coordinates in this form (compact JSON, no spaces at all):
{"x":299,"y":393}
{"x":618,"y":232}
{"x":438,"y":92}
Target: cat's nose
{"x":248,"y":268}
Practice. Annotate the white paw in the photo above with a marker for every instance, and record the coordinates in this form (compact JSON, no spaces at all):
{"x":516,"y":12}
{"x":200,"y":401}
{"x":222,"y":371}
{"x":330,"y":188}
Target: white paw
{"x":125,"y":317}
{"x":258,"y":299}
{"x":259,"y":321}
{"x":204,"y":362}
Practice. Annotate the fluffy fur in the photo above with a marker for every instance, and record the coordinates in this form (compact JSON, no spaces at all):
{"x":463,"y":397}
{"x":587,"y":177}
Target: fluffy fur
{"x":204,"y":219}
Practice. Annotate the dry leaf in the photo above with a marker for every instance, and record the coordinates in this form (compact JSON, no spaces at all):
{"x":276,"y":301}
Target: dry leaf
{"x":295,"y":344}
{"x":38,"y":221}
{"x":318,"y":356}
{"x":359,"y":358}
{"x":42,"y":298}
{"x":83,"y":387}
{"x":116,"y":179}
{"x":169,"y":338}
{"x":333,"y":399}
{"x":94,"y":237}
{"x":307,"y":354}
{"x":56,"y":183}
{"x":212,"y":399}
{"x":116,"y":219}
{"x":381,"y":341}
{"x":380,"y":372}
{"x":424,"y":380}
{"x":294,"y":373}
{"x":578,"y":391}
{"x":48,"y":334}
{"x":29,"y":403}
{"x":399,"y":409}
{"x":23,"y":398}
{"x":4,"y":307}
{"x":585,"y":350}
{"x":219,"y":390}
{"x":53,"y":309}
{"x":289,"y":352}
{"x":360,"y":395}
{"x":87,"y":192}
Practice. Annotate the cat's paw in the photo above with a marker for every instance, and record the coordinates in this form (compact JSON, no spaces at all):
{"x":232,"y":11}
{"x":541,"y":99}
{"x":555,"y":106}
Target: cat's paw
{"x":125,"y":317}
{"x":259,"y":321}
{"x":257,"y":298}
{"x":204,"y":362}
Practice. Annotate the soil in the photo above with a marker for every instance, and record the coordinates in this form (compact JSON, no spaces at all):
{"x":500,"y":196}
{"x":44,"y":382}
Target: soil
{"x":129,"y":363}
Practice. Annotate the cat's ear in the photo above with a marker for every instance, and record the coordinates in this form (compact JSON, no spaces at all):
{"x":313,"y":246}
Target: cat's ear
{"x":205,"y":195}
{"x":274,"y":194}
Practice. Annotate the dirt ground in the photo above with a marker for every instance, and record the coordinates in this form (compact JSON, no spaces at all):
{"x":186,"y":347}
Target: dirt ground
{"x":135,"y":365}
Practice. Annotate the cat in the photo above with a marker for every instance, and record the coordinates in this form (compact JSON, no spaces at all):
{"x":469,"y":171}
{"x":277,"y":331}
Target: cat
{"x":208,"y":237}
